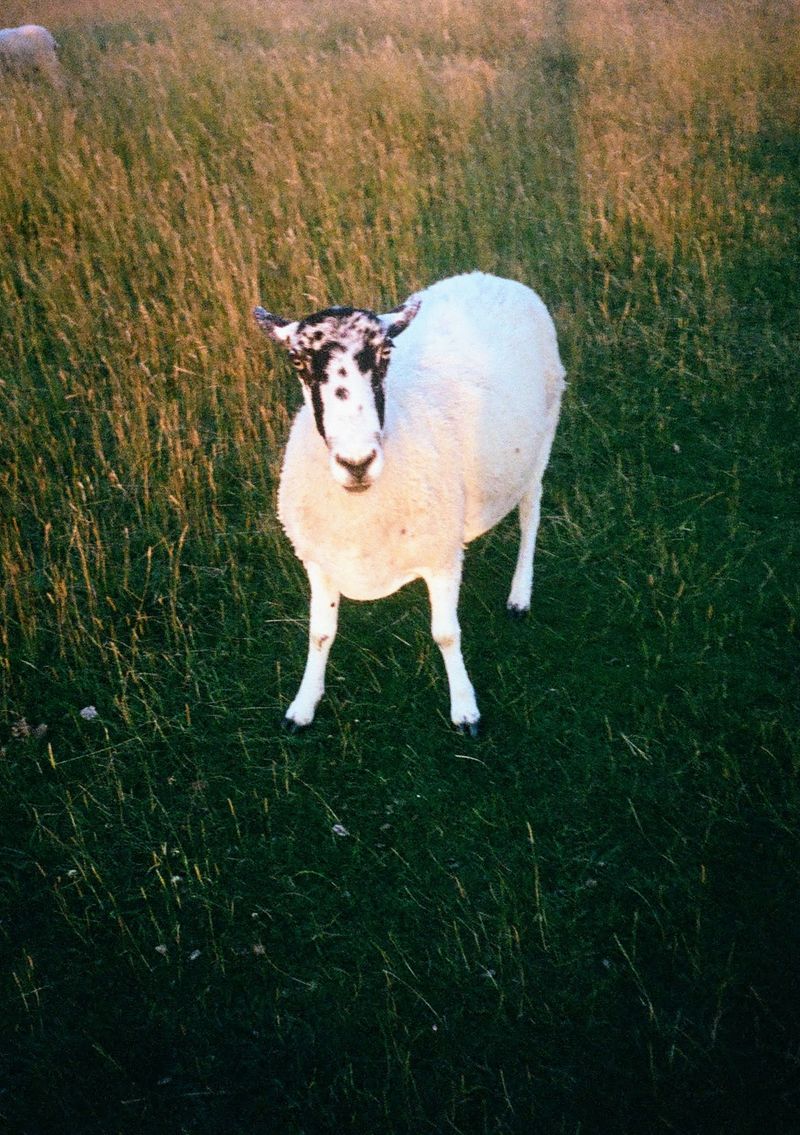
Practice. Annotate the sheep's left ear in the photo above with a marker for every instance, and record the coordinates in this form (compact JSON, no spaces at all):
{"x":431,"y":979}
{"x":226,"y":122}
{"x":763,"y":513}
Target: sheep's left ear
{"x":280,"y":330}
{"x":396,"y":321}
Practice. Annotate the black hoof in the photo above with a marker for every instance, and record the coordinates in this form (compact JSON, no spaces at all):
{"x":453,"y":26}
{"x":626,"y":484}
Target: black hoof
{"x":467,"y":728}
{"x":292,"y":727}
{"x":517,"y":613}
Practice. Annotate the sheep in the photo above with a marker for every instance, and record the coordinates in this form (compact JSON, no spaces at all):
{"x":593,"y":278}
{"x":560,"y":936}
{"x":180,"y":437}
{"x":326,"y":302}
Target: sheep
{"x":29,"y":47}
{"x":391,"y":468}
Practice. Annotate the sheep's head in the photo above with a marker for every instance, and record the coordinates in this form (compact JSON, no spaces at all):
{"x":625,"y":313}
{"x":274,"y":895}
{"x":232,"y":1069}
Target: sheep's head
{"x":341,"y":356}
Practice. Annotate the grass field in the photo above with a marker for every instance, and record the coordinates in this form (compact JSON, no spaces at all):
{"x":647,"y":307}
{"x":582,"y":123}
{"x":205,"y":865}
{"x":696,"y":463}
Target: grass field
{"x":589,"y":919}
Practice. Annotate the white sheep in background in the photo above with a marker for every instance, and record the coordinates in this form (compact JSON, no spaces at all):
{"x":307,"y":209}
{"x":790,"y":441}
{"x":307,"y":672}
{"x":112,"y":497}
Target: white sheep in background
{"x":29,"y":47}
{"x":390,"y":469}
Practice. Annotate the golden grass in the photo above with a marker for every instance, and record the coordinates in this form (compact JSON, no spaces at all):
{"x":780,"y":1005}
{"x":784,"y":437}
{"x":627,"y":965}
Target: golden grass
{"x":668,"y":89}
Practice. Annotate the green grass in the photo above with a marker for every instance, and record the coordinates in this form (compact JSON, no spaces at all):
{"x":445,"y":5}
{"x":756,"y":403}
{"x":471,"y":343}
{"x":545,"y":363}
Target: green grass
{"x":588,"y":920}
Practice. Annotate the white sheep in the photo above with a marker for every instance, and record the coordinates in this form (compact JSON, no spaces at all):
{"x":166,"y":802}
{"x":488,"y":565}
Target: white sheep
{"x":29,"y":47}
{"x":391,"y":468}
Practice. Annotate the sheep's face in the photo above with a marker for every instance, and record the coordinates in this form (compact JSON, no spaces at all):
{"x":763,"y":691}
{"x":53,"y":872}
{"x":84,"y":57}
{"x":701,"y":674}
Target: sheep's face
{"x":342,"y":355}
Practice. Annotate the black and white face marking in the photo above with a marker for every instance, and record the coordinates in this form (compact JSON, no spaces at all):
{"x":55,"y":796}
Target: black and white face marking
{"x":342,"y":355}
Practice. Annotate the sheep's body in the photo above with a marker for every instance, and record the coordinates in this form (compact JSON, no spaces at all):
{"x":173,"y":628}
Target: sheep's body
{"x":29,"y":46}
{"x":474,"y":389}
{"x":472,"y":403}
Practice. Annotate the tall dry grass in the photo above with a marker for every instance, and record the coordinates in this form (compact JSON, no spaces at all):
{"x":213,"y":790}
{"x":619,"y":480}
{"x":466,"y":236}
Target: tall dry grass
{"x":195,"y":163}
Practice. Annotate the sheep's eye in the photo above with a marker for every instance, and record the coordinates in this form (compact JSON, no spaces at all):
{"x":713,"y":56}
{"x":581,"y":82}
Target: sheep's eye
{"x":296,"y":359}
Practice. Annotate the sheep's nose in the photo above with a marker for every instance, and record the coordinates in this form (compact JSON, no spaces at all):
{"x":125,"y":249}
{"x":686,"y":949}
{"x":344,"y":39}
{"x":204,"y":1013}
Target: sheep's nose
{"x":357,"y":469}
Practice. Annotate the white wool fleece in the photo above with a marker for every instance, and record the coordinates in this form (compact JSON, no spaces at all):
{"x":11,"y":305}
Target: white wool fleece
{"x":29,"y":41}
{"x":369,"y":544}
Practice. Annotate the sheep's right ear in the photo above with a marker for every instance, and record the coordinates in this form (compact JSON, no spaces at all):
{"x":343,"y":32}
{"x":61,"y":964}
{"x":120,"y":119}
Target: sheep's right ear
{"x":280,"y":330}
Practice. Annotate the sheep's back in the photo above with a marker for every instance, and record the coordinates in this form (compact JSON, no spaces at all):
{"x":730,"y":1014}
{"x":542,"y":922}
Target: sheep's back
{"x":483,"y":350}
{"x":28,"y":40}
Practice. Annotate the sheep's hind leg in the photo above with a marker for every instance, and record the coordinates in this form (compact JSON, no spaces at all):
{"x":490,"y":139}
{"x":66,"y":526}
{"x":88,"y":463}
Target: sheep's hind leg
{"x":443,"y":590}
{"x":519,"y":599}
{"x":321,"y":633}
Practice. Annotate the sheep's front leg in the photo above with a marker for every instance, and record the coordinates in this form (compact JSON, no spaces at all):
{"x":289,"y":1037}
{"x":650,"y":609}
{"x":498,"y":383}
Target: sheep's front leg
{"x":321,"y":633}
{"x":443,"y":589}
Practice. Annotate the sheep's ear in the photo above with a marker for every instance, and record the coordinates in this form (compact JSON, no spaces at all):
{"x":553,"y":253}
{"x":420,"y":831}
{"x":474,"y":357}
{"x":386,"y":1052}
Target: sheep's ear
{"x":281,"y":330}
{"x":396,"y":321}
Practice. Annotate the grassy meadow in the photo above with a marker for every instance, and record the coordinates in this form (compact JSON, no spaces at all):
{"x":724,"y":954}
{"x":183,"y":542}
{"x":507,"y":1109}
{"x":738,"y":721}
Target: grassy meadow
{"x":589,"y":919}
